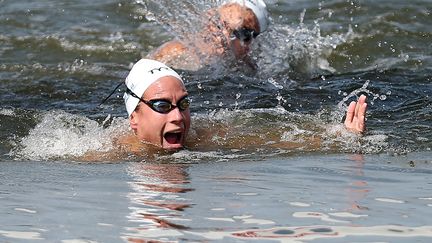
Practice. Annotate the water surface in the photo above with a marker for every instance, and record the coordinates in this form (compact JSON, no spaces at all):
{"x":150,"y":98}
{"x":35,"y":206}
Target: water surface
{"x":260,"y":174}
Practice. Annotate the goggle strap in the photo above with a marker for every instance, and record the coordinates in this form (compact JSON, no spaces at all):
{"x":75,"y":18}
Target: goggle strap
{"x":115,"y":89}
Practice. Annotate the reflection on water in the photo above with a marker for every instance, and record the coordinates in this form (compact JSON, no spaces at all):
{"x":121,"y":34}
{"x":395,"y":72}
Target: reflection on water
{"x":357,"y":189}
{"x":300,"y":198}
{"x":275,"y":200}
{"x":157,"y":200}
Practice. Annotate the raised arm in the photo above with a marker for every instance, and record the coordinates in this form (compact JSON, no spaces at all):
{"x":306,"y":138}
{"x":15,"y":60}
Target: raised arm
{"x":356,"y":115}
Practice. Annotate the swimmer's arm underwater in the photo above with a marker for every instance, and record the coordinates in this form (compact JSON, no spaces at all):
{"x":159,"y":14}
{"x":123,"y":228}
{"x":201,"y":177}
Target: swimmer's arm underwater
{"x":356,"y":116}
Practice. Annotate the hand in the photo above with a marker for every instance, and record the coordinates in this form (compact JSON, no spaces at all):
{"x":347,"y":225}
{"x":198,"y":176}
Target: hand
{"x":355,"y":116}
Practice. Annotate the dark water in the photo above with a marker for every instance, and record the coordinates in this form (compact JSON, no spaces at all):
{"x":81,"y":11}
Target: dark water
{"x":68,"y":56}
{"x":59,"y":59}
{"x":316,"y":57}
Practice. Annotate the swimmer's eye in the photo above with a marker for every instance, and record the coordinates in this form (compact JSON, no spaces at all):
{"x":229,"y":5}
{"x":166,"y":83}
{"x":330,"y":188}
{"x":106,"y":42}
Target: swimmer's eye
{"x":161,"y":105}
{"x":244,"y":34}
{"x":165,"y":106}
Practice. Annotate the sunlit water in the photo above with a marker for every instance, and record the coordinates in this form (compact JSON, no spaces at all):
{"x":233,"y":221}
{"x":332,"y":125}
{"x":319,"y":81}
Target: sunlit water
{"x":261,"y":173}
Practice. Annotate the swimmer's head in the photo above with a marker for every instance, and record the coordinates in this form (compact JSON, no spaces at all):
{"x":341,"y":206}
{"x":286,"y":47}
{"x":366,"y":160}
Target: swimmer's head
{"x":259,"y":9}
{"x":143,"y":74}
{"x":158,"y":105}
{"x":241,"y":21}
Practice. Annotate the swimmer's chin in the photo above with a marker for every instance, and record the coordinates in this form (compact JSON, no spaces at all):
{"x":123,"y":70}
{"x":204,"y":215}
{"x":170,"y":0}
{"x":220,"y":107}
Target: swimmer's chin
{"x":164,"y":147}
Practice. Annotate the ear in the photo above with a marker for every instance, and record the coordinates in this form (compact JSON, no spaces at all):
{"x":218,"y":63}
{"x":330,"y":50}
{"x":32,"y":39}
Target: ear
{"x":133,"y":120}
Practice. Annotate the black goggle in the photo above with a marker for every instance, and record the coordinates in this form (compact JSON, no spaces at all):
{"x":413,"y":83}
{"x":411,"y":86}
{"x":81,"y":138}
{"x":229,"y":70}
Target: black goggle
{"x":161,"y":105}
{"x":245,"y":34}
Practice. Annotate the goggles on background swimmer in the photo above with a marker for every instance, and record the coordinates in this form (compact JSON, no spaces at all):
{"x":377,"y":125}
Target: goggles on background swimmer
{"x":161,"y":105}
{"x":244,"y":34}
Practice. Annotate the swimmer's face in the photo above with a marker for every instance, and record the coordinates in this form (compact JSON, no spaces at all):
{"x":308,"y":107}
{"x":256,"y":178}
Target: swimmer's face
{"x":166,"y":130}
{"x":241,"y":26}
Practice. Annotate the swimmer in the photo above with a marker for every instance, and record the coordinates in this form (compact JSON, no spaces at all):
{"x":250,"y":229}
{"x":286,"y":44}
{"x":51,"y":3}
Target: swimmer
{"x":157,"y":104}
{"x":230,"y":30}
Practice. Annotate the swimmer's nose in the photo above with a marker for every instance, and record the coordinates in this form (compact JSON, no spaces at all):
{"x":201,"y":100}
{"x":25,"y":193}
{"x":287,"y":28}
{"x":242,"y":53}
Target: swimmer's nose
{"x":176,"y":116}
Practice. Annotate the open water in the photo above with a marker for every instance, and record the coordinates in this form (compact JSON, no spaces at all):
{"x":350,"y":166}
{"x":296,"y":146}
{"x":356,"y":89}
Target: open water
{"x":260,"y":175}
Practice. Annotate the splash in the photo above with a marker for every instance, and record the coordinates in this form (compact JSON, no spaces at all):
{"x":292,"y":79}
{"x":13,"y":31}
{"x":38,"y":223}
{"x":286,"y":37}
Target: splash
{"x":220,"y":135}
{"x":63,"y":135}
{"x":277,"y":131}
{"x":301,"y":51}
{"x":180,"y":18}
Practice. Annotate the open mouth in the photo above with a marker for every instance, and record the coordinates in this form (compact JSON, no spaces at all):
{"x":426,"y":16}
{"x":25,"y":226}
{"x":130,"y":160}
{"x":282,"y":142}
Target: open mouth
{"x":173,"y":137}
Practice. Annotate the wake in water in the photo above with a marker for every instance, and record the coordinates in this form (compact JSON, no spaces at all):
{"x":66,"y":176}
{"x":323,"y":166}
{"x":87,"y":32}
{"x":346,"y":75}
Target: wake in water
{"x":282,"y":53}
{"x":237,"y":113}
{"x":220,"y":134}
{"x":298,"y":52}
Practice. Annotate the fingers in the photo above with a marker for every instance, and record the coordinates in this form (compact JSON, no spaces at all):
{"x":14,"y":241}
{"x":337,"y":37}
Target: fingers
{"x":362,"y":111}
{"x":356,"y":115}
{"x":362,"y":118}
{"x":360,"y":102}
{"x":350,"y":113}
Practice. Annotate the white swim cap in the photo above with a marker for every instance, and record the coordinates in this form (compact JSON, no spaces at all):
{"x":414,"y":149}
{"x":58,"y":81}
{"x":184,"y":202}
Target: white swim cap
{"x":259,"y":8}
{"x":143,"y":74}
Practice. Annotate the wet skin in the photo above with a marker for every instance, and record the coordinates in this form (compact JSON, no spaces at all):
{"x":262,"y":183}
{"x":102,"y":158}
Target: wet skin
{"x":216,"y":39}
{"x":165,"y":130}
{"x":356,"y":115}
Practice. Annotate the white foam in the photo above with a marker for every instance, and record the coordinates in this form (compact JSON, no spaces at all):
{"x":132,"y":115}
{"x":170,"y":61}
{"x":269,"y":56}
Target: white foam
{"x":7,"y":112}
{"x":299,"y":50}
{"x":60,"y":134}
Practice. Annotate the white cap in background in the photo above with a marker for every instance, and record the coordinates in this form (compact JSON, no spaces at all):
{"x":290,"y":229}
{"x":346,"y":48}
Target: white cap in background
{"x":259,"y":8}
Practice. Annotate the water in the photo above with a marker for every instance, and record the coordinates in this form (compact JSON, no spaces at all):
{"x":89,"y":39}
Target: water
{"x":267,"y":152}
{"x":337,"y":198}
